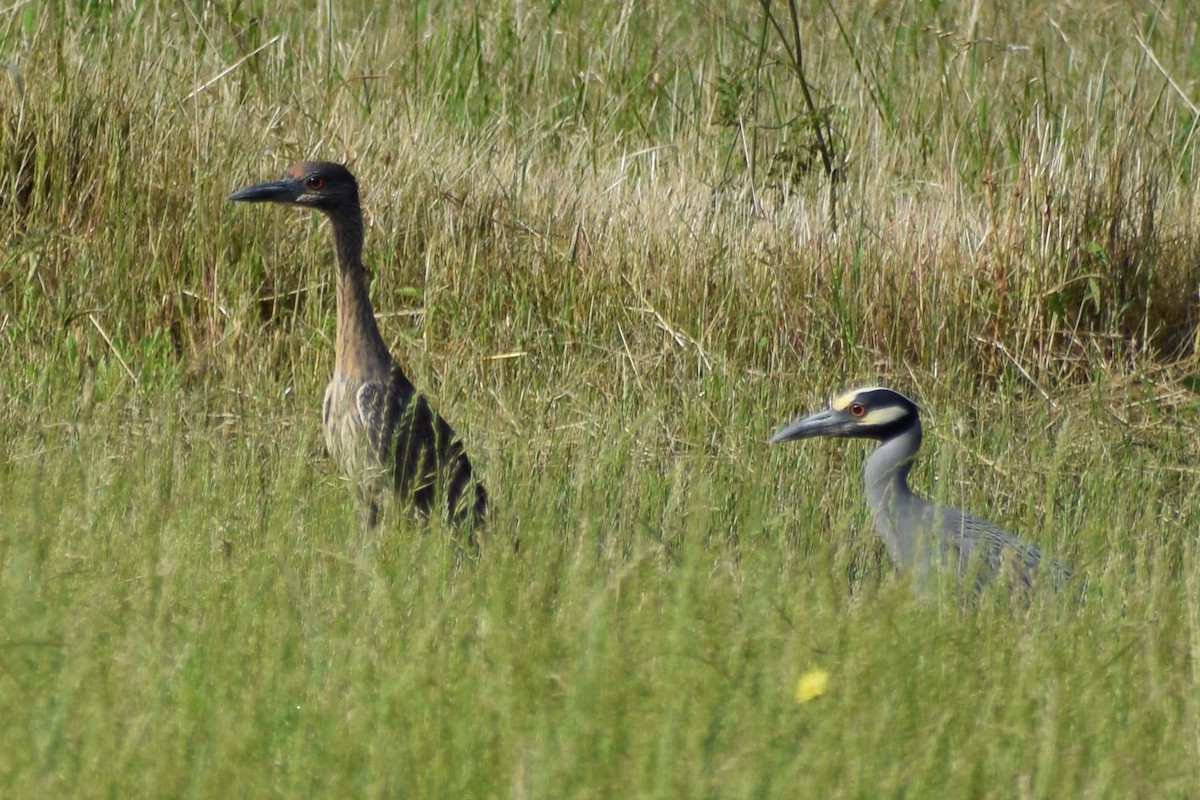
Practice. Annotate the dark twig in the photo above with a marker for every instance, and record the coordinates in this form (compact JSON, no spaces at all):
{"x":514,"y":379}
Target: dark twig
{"x":823,"y":137}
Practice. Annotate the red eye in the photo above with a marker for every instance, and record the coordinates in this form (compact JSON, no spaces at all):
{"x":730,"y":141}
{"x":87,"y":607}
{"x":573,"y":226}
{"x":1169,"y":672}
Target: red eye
{"x":315,"y":182}
{"x":857,"y":409}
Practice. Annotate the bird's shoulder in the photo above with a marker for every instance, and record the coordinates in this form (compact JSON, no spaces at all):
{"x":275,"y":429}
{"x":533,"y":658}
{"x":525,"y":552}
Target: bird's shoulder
{"x":382,"y":398}
{"x":391,"y":405}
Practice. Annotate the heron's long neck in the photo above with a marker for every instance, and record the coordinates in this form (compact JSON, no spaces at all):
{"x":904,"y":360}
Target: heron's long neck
{"x":360,"y":351}
{"x":888,"y":495}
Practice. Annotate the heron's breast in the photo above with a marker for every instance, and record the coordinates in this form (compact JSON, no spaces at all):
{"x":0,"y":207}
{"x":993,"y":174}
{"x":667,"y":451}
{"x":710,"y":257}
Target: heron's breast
{"x":345,"y":433}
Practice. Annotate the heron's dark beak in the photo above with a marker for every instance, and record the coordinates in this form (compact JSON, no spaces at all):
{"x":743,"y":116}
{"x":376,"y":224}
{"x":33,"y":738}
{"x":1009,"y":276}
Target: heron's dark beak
{"x":822,"y":423}
{"x":276,"y":191}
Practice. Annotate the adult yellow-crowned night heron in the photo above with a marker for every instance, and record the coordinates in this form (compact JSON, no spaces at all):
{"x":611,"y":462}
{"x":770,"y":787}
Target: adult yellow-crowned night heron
{"x":380,"y":431}
{"x":917,"y":533}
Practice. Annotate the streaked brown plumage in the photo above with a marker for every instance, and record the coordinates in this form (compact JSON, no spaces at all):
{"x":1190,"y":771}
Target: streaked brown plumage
{"x":379,"y":430}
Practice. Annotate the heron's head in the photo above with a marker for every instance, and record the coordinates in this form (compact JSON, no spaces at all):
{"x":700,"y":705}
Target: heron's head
{"x":869,"y":413}
{"x":322,"y":185}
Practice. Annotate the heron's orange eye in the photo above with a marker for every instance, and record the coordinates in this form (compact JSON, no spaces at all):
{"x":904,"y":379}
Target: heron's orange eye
{"x":857,"y":409}
{"x":315,"y":182}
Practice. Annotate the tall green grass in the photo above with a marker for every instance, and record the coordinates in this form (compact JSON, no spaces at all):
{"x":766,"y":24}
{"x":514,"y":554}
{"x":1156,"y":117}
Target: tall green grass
{"x":601,"y":242}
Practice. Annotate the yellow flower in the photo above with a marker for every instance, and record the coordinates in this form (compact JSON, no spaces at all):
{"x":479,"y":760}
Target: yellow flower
{"x":811,"y":685}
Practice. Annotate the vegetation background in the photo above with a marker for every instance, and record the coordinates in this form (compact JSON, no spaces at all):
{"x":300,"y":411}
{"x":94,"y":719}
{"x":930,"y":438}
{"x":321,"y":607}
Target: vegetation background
{"x":604,"y":242}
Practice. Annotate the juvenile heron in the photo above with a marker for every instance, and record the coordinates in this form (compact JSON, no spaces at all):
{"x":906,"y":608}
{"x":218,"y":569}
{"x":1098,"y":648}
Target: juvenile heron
{"x":379,"y":430}
{"x":918,"y":534}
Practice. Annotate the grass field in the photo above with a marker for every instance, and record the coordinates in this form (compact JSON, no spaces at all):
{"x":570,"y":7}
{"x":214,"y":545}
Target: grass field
{"x":603,"y":240}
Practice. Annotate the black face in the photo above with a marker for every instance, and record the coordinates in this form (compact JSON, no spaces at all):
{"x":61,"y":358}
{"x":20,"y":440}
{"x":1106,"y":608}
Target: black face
{"x":872,"y":413}
{"x":322,"y":185}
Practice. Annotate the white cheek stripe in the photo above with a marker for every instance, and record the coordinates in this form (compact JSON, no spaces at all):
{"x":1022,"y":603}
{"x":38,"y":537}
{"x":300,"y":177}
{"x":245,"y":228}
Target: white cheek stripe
{"x":884,"y":416}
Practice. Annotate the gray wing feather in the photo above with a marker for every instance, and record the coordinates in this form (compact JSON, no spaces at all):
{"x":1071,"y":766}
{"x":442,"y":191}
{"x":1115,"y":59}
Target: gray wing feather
{"x":985,"y":546}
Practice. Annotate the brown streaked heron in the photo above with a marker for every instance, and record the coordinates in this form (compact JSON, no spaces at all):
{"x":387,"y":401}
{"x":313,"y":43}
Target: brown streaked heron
{"x":380,"y":431}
